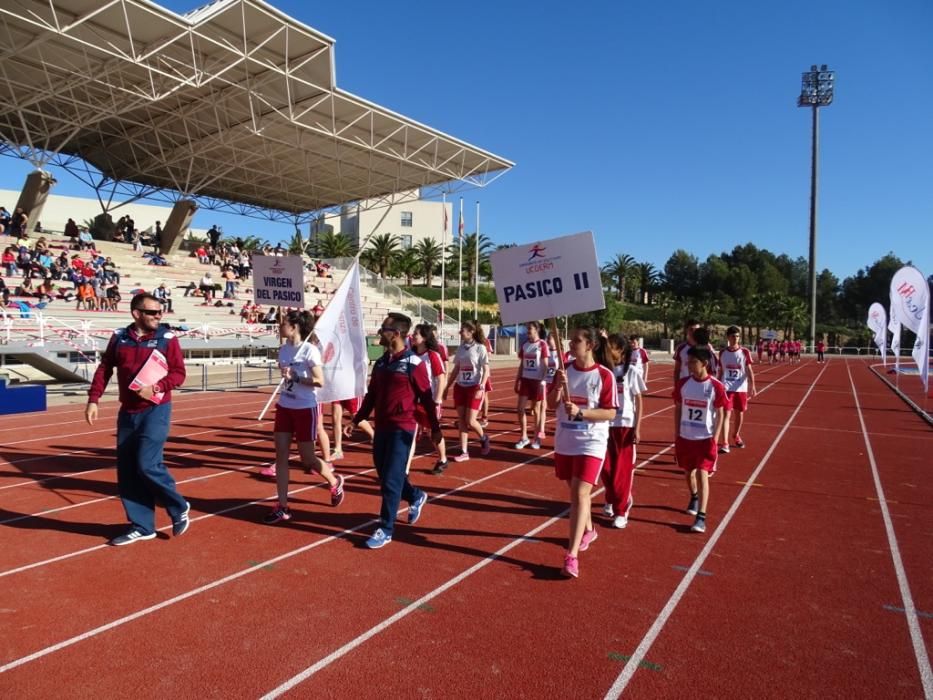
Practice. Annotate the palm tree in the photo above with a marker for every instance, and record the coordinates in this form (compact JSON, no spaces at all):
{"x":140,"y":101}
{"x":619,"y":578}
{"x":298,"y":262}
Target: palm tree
{"x":429,"y":254}
{"x":382,"y":249}
{"x":297,"y":245}
{"x":469,"y":255}
{"x":254,"y":243}
{"x":618,"y":270}
{"x":648,"y":277}
{"x":406,"y":263}
{"x":333,"y":245}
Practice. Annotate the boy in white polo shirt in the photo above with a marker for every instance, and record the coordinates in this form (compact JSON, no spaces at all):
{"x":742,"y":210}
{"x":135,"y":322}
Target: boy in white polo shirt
{"x":735,"y":372}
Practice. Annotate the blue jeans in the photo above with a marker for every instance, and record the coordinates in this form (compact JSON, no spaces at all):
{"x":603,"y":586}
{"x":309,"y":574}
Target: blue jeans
{"x":392,"y":451}
{"x":142,"y":478}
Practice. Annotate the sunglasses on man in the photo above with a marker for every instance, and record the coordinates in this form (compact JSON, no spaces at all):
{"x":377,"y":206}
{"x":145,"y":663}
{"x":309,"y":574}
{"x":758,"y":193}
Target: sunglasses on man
{"x":150,"y":312}
{"x":388,"y":329}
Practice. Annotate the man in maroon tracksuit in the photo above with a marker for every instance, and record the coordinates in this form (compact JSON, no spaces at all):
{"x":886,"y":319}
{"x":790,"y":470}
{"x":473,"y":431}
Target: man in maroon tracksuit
{"x":143,"y":421}
{"x":399,"y":381}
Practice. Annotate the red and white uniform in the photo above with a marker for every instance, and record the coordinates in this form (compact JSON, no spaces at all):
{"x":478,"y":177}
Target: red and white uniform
{"x":734,"y":369}
{"x":551,"y":367}
{"x":534,"y":357}
{"x":470,"y":360}
{"x":639,"y":360}
{"x":627,"y":388}
{"x":681,"y":354}
{"x":699,"y":401}
{"x":619,"y":467}
{"x":588,"y":388}
{"x":297,"y":408}
{"x":432,"y":360}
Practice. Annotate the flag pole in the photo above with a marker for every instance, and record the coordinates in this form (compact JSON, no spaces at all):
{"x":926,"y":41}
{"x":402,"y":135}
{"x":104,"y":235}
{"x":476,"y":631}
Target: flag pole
{"x":443,"y":266}
{"x":460,"y":268}
{"x":476,"y":269}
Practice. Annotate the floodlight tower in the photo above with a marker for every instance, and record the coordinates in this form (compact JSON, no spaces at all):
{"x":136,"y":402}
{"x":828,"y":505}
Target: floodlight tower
{"x":816,"y":91}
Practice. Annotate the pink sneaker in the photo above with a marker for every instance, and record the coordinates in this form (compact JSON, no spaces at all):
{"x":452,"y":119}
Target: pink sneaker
{"x":589,"y":536}
{"x":571,"y":567}
{"x":268,"y":471}
{"x":462,"y":457}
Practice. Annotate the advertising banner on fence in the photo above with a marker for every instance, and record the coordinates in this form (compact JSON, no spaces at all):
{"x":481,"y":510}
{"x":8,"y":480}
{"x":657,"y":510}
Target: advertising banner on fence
{"x":878,"y":323}
{"x":556,"y":277}
{"x":279,"y":281}
{"x":342,"y":339}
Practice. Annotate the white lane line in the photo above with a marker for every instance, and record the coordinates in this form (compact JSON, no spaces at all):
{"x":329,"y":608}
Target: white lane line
{"x":913,"y":621}
{"x":430,"y":595}
{"x":633,"y":663}
{"x":239,"y":574}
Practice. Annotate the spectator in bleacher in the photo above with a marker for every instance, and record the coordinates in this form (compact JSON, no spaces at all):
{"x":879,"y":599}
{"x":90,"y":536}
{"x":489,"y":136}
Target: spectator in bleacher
{"x":244,"y":312}
{"x":46,"y":290}
{"x":26,"y":288}
{"x":230,"y":283}
{"x":98,"y":288}
{"x":322,"y":268}
{"x":71,"y":229}
{"x":24,"y":261}
{"x":201,"y":255}
{"x":113,"y":297}
{"x":318,"y":309}
{"x":214,"y":234}
{"x":273,"y":316}
{"x":4,"y":292}
{"x":157,"y":238}
{"x":111,"y":274}
{"x":9,"y":261}
{"x":164,"y":295}
{"x":207,"y":288}
{"x":85,"y":240}
{"x":18,"y":222}
{"x":4,"y":220}
{"x":136,"y":240}
{"x":85,"y":295}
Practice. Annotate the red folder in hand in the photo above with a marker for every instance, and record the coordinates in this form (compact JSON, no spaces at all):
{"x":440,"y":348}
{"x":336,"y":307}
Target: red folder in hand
{"x":156,"y":368}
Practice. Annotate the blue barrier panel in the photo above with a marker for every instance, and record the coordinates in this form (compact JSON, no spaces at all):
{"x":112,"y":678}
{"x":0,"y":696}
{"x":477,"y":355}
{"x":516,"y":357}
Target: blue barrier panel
{"x":21,"y":399}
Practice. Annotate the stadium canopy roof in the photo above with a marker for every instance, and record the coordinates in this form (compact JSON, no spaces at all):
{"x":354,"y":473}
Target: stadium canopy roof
{"x":233,"y":102}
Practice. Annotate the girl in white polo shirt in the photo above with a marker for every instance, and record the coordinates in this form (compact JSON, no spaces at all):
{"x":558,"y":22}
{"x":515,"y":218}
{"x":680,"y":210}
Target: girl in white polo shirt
{"x":468,"y":377}
{"x":584,"y":394}
{"x":296,"y":413}
{"x":619,"y":469}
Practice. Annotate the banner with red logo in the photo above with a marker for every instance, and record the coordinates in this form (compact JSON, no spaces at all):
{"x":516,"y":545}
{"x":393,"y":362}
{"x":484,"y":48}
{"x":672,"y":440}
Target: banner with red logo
{"x":878,"y":323}
{"x":342,"y":339}
{"x":550,"y":278}
{"x":910,"y":304}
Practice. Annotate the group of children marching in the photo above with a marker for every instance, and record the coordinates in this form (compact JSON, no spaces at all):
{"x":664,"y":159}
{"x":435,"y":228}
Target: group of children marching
{"x":596,"y":390}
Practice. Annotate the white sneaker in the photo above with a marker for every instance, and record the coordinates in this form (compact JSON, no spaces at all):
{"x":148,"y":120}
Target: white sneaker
{"x":620,"y":522}
{"x":536,"y":445}
{"x":522,"y":444}
{"x":608,"y":511}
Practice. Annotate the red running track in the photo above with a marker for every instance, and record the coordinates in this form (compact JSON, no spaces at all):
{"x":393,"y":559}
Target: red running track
{"x":793,"y":591}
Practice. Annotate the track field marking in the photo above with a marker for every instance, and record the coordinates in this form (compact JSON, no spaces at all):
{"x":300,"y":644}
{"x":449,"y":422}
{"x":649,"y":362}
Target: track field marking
{"x":913,"y":624}
{"x":245,"y":504}
{"x":261,"y":566}
{"x":894,"y":608}
{"x":632,"y":665}
{"x":701,"y":572}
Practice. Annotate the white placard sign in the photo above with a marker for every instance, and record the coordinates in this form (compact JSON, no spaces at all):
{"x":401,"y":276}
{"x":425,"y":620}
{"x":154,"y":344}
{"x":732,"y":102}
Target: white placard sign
{"x":279,"y":281}
{"x":549,"y":278}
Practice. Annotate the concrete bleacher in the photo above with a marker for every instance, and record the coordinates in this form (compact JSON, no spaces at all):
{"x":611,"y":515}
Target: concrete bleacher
{"x":183,"y":268}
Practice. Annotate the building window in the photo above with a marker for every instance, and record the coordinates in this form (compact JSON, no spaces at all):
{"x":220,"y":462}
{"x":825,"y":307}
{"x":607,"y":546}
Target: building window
{"x":406,"y":219}
{"x":405,"y":241}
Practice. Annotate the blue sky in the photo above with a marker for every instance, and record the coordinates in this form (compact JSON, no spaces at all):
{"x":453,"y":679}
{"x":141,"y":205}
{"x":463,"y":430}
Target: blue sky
{"x":659,"y":125}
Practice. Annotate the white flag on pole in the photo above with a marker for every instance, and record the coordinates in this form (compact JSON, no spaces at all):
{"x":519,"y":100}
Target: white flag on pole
{"x":895,"y":327}
{"x":342,"y":339}
{"x":910,"y":303}
{"x":878,"y":323}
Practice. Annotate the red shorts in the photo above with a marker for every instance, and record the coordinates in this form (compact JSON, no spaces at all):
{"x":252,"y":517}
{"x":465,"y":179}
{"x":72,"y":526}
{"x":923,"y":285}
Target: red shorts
{"x":583,"y":467}
{"x":738,"y":400}
{"x":696,"y":454}
{"x":351,"y":405}
{"x":301,"y":422}
{"x":488,"y":385}
{"x":471,"y":396}
{"x":532,"y":389}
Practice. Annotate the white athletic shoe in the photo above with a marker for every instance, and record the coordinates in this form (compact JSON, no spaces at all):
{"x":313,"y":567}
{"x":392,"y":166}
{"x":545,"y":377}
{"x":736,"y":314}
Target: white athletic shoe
{"x":522,"y":444}
{"x":620,"y":522}
{"x":608,"y":511}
